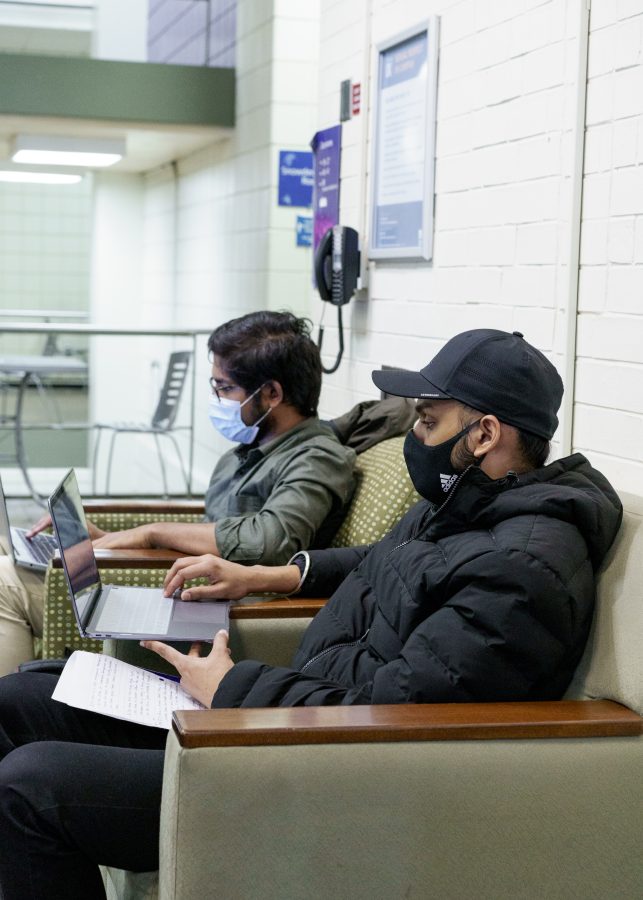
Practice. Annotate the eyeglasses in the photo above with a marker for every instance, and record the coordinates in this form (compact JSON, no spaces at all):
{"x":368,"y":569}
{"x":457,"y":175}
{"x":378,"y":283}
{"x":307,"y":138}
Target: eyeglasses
{"x":222,"y":390}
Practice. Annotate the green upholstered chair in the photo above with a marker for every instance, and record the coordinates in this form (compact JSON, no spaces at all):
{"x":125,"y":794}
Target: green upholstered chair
{"x":501,"y":801}
{"x":383,"y":494}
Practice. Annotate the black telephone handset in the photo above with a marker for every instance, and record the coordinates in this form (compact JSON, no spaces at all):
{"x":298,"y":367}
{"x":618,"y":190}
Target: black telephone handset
{"x":337,"y":265}
{"x":336,"y":274}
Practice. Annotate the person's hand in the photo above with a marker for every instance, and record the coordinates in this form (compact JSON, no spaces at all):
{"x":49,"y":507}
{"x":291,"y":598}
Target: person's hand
{"x":42,"y":523}
{"x":130,"y":539}
{"x":228,"y":580}
{"x":45,"y":522}
{"x":200,"y":675}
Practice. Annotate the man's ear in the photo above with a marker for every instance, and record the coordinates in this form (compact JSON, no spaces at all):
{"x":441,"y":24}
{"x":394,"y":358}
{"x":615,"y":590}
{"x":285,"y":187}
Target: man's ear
{"x":486,"y":436}
{"x":273,"y":392}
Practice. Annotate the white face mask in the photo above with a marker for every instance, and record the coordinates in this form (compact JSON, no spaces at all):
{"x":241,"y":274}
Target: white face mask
{"x":225,"y":415}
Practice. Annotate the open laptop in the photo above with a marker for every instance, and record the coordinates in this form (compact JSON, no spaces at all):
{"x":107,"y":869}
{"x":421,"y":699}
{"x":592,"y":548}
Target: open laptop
{"x":29,"y":553}
{"x":116,"y":611}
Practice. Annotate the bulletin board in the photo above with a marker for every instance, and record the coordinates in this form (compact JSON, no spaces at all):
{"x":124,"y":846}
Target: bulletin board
{"x":403,"y":145}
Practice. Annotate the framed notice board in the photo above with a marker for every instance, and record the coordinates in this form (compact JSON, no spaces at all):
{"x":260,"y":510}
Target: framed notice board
{"x":403,"y":145}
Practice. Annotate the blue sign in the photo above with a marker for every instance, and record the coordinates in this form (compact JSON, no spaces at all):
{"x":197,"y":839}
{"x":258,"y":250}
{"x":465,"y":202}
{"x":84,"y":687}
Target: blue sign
{"x":295,"y":178}
{"x":304,"y":231}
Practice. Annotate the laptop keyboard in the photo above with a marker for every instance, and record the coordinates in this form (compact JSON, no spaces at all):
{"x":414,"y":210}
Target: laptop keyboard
{"x":135,"y":611}
{"x":42,"y":547}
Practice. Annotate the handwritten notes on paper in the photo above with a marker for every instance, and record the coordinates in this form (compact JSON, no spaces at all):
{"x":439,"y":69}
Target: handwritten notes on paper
{"x":114,"y":688}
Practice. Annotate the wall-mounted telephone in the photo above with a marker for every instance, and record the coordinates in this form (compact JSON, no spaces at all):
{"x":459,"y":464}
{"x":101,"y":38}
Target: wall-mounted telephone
{"x":337,"y":265}
{"x":336,"y":274}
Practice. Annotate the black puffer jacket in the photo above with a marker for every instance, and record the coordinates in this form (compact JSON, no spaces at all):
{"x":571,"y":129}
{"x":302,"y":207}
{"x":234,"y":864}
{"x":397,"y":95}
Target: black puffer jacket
{"x":489,"y":598}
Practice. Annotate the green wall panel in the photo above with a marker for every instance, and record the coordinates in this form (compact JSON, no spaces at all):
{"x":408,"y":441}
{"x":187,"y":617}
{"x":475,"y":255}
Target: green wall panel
{"x":122,"y":91}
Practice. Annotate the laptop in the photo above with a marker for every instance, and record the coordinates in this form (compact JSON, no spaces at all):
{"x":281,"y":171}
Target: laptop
{"x":114,"y":610}
{"x":29,"y":553}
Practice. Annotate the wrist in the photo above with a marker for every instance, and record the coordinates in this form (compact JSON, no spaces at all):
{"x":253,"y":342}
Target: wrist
{"x":274,"y":579}
{"x":153,"y":535}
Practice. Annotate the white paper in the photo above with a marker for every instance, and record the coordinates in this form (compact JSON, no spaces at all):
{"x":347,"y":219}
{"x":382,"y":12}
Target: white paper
{"x":114,"y":688}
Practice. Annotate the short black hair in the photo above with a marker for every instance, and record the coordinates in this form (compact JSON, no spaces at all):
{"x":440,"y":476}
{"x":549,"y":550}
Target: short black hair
{"x":266,"y":346}
{"x":534,"y":449}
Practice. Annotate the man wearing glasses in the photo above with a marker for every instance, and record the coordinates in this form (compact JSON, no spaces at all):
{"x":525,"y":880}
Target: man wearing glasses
{"x":282,"y":489}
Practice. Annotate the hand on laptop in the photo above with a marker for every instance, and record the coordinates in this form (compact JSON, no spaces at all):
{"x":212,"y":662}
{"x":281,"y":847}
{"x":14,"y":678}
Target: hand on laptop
{"x":200,"y":675}
{"x":41,"y":524}
{"x":228,"y":580}
{"x":45,"y":522}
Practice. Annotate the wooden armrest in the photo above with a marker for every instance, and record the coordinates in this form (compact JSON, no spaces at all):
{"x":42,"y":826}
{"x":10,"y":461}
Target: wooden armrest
{"x":276,"y":608}
{"x":129,"y":559}
{"x":409,"y":722}
{"x":143,"y":506}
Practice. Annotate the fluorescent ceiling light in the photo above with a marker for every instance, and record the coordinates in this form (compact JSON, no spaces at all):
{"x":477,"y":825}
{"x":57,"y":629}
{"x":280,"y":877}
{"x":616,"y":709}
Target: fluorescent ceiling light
{"x":49,"y":150}
{"x":39,"y":177}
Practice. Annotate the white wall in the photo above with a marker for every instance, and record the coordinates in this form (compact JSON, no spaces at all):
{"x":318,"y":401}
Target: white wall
{"x":506,"y":112}
{"x":44,"y":253}
{"x":609,"y":375}
{"x":121,"y":368}
{"x":120,"y":30}
{"x":215,"y":243}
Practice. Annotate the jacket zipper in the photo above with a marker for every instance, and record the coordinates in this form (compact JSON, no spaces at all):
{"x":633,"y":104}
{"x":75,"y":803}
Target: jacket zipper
{"x":334,"y":647}
{"x":439,"y":509}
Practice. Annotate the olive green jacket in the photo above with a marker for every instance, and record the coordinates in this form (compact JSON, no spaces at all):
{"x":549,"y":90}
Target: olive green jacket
{"x":270,"y":501}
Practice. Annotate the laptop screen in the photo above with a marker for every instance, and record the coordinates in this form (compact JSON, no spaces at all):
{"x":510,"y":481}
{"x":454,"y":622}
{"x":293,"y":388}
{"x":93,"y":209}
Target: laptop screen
{"x":79,"y":562}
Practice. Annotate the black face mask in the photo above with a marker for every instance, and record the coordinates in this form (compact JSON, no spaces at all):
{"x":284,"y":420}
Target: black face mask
{"x":430,"y":468}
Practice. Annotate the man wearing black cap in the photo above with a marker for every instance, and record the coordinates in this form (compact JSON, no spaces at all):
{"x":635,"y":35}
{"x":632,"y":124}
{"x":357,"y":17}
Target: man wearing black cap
{"x":484,"y":591}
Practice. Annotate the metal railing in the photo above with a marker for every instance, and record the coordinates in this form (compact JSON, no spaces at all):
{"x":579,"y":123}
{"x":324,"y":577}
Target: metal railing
{"x":55,"y":329}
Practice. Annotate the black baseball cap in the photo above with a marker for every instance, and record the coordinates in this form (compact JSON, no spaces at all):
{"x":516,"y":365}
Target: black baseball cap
{"x":493,"y":371}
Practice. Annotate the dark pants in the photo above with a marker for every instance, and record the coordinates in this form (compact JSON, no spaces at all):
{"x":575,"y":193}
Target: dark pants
{"x":76,"y":789}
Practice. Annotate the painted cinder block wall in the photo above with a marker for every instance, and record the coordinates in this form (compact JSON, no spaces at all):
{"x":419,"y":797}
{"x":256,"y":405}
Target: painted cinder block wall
{"x":608,"y":420}
{"x":507,"y":100}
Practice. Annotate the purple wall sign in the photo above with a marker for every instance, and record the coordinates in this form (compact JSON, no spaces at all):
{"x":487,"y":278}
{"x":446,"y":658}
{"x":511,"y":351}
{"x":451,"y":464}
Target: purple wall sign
{"x":326,"y":146}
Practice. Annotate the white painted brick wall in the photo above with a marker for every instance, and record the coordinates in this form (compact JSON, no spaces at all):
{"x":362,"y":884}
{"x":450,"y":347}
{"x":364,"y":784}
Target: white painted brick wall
{"x":608,"y":422}
{"x":504,"y":124}
{"x":503,"y":162}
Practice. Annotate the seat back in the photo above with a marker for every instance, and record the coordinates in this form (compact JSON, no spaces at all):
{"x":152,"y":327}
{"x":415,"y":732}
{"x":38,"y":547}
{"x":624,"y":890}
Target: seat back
{"x":612,"y":665}
{"x":168,"y":405}
{"x":384,"y":492}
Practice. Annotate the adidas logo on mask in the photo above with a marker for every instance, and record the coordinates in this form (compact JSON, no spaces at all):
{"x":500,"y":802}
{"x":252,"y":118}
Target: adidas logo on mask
{"x":447,"y":481}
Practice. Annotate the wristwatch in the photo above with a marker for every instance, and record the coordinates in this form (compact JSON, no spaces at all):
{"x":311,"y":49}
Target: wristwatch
{"x":301,"y":559}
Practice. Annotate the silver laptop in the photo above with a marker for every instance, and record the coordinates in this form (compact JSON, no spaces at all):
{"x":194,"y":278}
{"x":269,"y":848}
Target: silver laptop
{"x":117,"y":611}
{"x":29,"y":553}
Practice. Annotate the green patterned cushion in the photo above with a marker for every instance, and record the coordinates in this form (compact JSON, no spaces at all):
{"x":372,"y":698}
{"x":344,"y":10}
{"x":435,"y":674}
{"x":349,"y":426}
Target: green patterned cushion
{"x":383,"y":494}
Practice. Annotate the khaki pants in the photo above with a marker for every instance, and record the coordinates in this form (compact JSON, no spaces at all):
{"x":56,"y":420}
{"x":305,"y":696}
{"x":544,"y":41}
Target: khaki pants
{"x":21,"y":610}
